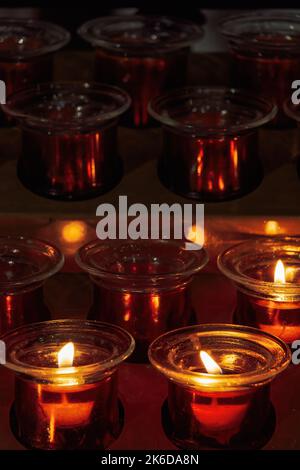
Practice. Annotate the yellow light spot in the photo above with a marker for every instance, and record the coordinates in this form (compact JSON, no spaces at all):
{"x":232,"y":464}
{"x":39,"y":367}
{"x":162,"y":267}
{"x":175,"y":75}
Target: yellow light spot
{"x":74,"y":232}
{"x":272,"y":227}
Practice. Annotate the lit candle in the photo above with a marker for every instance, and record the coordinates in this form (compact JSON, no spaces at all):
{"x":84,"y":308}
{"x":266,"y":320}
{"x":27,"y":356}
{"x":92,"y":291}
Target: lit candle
{"x":266,"y":273}
{"x":219,"y":377}
{"x":69,"y":410}
{"x":66,"y":394}
{"x":219,"y":417}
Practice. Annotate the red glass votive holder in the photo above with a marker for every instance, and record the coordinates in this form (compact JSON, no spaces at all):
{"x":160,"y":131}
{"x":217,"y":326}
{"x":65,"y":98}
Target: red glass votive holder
{"x":25,"y":264}
{"x":68,"y":403}
{"x":266,"y":53}
{"x":146,"y":55}
{"x":26,"y":51}
{"x":231,"y":408}
{"x":141,"y":286}
{"x":210,"y":146}
{"x":268,"y":294}
{"x":69,"y":138}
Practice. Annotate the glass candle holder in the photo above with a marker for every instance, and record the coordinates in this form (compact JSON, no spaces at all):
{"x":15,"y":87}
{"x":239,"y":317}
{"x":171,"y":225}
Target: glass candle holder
{"x":266,"y":51}
{"x":210,"y":141}
{"x":266,"y":273}
{"x":223,"y":401}
{"x":24,"y":266}
{"x":145,"y":55}
{"x":141,"y":285}
{"x":66,"y":392}
{"x":26,"y":48}
{"x":69,"y":138}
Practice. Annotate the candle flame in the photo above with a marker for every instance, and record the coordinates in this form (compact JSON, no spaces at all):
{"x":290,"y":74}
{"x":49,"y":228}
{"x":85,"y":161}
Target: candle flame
{"x":196,"y":235}
{"x":279,"y":274}
{"x":210,"y":365}
{"x":66,"y":355}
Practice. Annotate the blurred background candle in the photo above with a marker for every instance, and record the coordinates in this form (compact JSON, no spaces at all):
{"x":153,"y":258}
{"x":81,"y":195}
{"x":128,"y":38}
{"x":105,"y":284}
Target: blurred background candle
{"x":25,"y":264}
{"x":210,"y":145}
{"x":66,"y":393}
{"x":145,"y":55}
{"x":266,"y":51}
{"x":266,"y":273}
{"x":219,"y":384}
{"x":69,"y":133}
{"x":141,"y":285}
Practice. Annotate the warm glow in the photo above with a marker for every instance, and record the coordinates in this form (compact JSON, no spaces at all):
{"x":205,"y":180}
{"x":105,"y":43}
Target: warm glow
{"x":210,"y":365}
{"x":74,"y":232}
{"x":279,"y":275}
{"x":66,"y":355}
{"x":196,"y":235}
{"x":272,"y":227}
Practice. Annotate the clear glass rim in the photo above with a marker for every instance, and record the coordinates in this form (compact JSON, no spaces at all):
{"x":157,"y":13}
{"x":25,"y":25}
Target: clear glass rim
{"x":267,"y":288}
{"x":266,"y":16}
{"x":18,"y":336}
{"x":13,"y":106}
{"x":63,"y":37}
{"x":292,"y":110}
{"x":198,"y":259}
{"x":169,"y":341}
{"x":193,"y":32}
{"x":57,"y":260}
{"x":170,"y":98}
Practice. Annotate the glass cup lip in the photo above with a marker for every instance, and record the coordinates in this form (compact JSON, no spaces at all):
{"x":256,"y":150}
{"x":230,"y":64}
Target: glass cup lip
{"x":23,"y":337}
{"x":183,"y":100}
{"x":17,"y":102}
{"x":261,"y":21}
{"x":161,"y":352}
{"x":194,"y":262}
{"x":231,"y":269}
{"x":96,"y":32}
{"x":59,"y":37}
{"x":292,"y":110}
{"x":53,"y":260}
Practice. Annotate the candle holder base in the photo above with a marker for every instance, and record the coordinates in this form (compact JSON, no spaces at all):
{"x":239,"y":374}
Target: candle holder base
{"x":115,"y":433}
{"x":60,"y":195}
{"x":205,"y":196}
{"x":239,"y":441}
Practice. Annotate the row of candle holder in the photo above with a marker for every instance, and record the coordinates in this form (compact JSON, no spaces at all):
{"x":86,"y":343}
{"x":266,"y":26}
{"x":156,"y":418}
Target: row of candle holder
{"x":148,"y":55}
{"x":66,"y":384}
{"x":210,"y":148}
{"x":143,"y":286}
{"x":210,"y":135}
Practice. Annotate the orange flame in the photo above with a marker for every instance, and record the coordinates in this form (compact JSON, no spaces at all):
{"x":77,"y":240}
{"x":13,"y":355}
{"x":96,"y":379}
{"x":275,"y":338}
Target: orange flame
{"x":279,"y":274}
{"x":210,"y":365}
{"x":65,"y":355}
